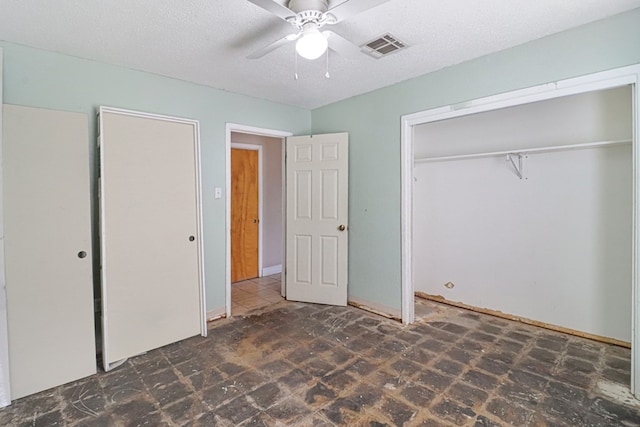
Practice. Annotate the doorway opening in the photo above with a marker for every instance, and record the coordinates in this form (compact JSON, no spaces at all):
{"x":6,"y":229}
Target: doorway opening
{"x":255,"y":218}
{"x":617,"y":78}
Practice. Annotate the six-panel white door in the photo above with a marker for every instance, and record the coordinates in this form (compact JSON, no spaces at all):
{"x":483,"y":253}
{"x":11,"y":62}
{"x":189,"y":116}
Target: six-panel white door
{"x":317,"y":214}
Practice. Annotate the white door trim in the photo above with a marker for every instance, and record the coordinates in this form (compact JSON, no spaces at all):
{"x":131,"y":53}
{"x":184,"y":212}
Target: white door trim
{"x":233,"y":127}
{"x":258,"y":148}
{"x":5,"y":387}
{"x":603,"y":80}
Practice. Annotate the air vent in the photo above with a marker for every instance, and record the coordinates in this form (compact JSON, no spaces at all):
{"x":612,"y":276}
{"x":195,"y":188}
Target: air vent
{"x":383,"y":46}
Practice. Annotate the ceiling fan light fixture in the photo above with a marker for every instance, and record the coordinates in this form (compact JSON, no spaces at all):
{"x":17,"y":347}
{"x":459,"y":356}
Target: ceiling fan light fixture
{"x":312,"y":44}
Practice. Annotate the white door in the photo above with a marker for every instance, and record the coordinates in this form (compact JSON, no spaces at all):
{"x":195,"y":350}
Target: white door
{"x":152,"y":286}
{"x":47,"y":248}
{"x":317,"y":214}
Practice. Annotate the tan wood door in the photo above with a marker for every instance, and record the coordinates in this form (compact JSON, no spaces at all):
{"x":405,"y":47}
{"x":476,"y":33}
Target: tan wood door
{"x":244,"y":214}
{"x":317,"y":215}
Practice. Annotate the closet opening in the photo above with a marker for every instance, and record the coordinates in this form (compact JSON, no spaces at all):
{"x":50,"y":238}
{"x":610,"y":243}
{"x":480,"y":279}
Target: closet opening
{"x":526,"y":211}
{"x":524,"y":205}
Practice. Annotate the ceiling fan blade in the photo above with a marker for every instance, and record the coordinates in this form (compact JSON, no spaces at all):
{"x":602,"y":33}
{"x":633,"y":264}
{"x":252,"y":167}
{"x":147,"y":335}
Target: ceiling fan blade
{"x":341,"y":45}
{"x":275,"y":8}
{"x":352,"y":7}
{"x":273,"y":46}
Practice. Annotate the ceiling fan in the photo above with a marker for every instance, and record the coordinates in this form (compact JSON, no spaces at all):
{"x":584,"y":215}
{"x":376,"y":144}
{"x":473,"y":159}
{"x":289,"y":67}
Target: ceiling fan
{"x":308,"y":17}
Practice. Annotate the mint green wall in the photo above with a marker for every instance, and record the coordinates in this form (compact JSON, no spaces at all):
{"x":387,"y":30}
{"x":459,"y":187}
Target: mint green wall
{"x":44,"y":79}
{"x":373,"y":123}
{"x":49,"y":80}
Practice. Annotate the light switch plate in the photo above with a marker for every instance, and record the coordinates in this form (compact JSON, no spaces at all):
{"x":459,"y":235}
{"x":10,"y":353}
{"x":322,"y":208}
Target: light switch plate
{"x":217,"y":193}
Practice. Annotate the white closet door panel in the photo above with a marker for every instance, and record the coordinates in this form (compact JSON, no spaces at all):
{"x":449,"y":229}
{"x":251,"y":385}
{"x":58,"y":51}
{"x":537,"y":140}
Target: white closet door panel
{"x":151,"y":268}
{"x":47,"y":224}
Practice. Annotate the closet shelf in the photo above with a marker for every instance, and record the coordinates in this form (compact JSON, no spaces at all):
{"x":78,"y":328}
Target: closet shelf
{"x":523,"y":151}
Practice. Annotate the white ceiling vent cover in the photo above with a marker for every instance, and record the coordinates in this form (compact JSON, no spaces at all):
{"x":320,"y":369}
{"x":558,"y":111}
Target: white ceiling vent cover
{"x":383,"y":46}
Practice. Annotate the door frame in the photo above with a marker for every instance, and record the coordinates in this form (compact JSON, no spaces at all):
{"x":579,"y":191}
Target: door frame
{"x":273,"y":133}
{"x":5,"y":386}
{"x":258,"y":148}
{"x":597,"y":81}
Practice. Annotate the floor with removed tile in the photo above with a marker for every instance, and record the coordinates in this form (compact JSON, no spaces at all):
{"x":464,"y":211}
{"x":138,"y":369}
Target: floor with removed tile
{"x":314,"y":365}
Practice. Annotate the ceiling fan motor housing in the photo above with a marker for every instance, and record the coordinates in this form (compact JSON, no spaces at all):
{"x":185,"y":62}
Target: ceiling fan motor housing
{"x":310,"y":12}
{"x":299,"y":6}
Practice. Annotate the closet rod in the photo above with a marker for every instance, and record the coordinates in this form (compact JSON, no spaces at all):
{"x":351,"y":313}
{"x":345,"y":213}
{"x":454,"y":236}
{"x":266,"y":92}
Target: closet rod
{"x":524,"y":151}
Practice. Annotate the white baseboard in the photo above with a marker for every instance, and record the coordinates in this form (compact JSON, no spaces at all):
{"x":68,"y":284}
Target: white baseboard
{"x":216,"y":314}
{"x":268,"y":271}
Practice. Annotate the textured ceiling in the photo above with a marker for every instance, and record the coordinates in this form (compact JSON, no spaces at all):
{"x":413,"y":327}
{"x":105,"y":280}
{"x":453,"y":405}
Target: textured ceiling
{"x":206,"y":41}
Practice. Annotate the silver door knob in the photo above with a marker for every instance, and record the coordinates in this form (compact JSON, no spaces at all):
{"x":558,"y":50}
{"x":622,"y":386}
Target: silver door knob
{"x":342,"y":227}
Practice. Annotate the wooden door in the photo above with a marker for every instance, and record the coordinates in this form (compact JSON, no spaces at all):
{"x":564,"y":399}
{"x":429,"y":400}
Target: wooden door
{"x":150,"y":232}
{"x":244,"y":214}
{"x":48,"y":248}
{"x":317,"y":214}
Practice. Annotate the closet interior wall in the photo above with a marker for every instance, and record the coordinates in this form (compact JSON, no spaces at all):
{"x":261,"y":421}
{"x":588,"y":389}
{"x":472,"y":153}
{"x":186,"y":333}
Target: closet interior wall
{"x":553,"y":246}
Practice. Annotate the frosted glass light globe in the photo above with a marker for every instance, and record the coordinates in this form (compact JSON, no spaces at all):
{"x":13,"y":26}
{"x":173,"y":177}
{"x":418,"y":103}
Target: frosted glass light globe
{"x":312,"y":44}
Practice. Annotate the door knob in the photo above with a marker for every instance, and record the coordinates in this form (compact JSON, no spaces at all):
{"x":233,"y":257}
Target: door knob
{"x":82,"y":254}
{"x":342,"y":227}
{"x":191,"y":238}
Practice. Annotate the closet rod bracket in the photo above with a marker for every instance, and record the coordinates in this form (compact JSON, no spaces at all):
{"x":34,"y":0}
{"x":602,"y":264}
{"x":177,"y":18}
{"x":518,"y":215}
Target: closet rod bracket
{"x":517,"y":166}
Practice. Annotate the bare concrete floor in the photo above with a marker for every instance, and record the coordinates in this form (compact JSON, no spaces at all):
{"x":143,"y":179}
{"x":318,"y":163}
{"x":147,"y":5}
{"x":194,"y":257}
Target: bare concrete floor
{"x":313,"y":365}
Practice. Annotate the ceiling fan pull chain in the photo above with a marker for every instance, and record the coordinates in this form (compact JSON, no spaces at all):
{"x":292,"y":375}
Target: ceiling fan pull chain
{"x":295,"y":70}
{"x":327,"y":75}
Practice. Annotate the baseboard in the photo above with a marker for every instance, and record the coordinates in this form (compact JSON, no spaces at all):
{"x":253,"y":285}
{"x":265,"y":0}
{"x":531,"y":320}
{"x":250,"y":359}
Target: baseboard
{"x":382,"y":310}
{"x":216,"y":314}
{"x":594,"y":337}
{"x":275,"y":269}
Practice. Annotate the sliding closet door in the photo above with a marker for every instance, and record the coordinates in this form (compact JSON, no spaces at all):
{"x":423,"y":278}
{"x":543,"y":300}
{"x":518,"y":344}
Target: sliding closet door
{"x":47,"y":248}
{"x":150,"y":232}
